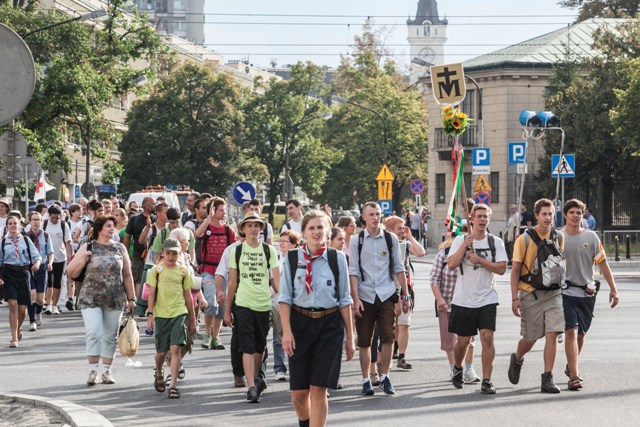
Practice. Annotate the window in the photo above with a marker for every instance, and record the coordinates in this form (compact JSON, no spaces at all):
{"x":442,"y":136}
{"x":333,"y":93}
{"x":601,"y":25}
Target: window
{"x":469,"y":103}
{"x":495,"y":187}
{"x":427,"y":29}
{"x":440,"y":188}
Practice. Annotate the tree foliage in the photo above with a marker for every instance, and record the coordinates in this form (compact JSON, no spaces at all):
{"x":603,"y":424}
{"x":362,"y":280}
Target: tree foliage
{"x":189,"y":131}
{"x":359,"y":134}
{"x":286,"y":121}
{"x":602,"y":8}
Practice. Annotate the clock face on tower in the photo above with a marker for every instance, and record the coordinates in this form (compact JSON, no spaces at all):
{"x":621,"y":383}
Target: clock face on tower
{"x":427,"y":55}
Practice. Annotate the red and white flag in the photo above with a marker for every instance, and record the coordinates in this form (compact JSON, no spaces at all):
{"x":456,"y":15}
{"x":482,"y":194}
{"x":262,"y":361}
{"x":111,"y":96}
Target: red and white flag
{"x":42,"y":188}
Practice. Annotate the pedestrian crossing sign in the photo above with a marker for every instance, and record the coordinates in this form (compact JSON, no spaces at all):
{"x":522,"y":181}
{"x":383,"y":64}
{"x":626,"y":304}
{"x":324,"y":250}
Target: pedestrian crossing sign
{"x":564,"y":166}
{"x":482,"y":185}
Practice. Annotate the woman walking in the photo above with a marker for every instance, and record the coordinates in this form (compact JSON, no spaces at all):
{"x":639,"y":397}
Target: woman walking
{"x":315,"y":310}
{"x":107,"y":283}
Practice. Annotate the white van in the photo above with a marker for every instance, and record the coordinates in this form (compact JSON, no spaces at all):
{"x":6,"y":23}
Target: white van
{"x":170,"y":197}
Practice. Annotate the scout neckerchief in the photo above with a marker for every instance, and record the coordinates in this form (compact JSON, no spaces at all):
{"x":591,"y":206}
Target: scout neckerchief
{"x":309,"y":258}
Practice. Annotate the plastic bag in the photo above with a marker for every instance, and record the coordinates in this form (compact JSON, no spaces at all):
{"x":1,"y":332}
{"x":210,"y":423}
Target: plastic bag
{"x":128,"y":336}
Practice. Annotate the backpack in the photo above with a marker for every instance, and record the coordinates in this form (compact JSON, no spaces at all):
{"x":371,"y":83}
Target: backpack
{"x":332,"y":256}
{"x":203,"y":245}
{"x":389,"y":240}
{"x":46,"y":239}
{"x":492,"y":248}
{"x":267,"y":255}
{"x":62,"y":225}
{"x":549,"y":267}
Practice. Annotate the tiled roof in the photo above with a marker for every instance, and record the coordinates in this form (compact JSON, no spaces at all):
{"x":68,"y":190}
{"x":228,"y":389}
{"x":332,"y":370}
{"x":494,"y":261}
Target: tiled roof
{"x":547,"y":49}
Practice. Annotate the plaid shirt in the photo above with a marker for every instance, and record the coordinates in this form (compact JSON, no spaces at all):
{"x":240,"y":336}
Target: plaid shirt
{"x":443,"y":277}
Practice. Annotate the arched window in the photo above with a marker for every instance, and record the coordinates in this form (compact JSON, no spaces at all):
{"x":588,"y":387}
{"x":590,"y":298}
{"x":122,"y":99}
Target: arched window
{"x":426,"y":25}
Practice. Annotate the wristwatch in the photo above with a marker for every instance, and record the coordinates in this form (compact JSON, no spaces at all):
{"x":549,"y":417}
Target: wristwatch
{"x":406,"y":297}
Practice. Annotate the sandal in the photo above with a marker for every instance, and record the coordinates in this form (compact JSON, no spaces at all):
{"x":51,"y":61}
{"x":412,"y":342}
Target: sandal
{"x":174,"y":393}
{"x":182,"y":373}
{"x":575,"y":384}
{"x":158,"y":383}
{"x":13,"y":344}
{"x":567,"y":372}
{"x":19,"y":335}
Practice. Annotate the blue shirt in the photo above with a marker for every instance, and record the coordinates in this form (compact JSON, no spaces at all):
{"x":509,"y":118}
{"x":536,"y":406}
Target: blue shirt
{"x":375,"y":265}
{"x":8,"y":253}
{"x":44,"y":245}
{"x":323,"y":294}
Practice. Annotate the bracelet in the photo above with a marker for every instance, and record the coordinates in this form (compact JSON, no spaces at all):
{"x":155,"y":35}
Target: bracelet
{"x":515,"y":299}
{"x":149,"y":313}
{"x":406,"y":297}
{"x":131,"y":299}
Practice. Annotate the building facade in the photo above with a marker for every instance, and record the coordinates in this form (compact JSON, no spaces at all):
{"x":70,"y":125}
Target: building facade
{"x":427,"y":35}
{"x":182,"y":18}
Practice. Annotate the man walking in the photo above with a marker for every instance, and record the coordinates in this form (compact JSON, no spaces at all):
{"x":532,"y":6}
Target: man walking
{"x":582,"y":249}
{"x":480,"y":256}
{"x":375,"y":260}
{"x":135,"y":227}
{"x":540,"y":310}
{"x":294,"y":211}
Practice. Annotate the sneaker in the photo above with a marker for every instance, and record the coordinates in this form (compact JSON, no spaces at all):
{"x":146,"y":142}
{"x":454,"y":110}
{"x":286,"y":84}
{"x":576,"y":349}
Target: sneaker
{"x":403,"y":364}
{"x":280,"y":376}
{"x":206,"y":341}
{"x":56,"y":310}
{"x":457,"y":379}
{"x":107,"y":378}
{"x":560,"y":338}
{"x":76,"y":305}
{"x":216,"y":344}
{"x":386,"y":386}
{"x":238,"y":381}
{"x":93,"y":378}
{"x":367,"y":388}
{"x":470,"y":376}
{"x":33,"y":327}
{"x":261,"y":385}
{"x":69,"y":305}
{"x":252,"y":395}
{"x":487,"y":387}
{"x":514,"y":369}
{"x":47,"y":311}
{"x":547,"y":385}
{"x":39,"y":319}
{"x":375,"y":378}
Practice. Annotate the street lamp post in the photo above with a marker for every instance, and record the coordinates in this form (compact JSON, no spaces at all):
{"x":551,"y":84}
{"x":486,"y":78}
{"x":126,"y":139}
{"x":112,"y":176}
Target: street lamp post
{"x":88,"y":16}
{"x":384,"y":123}
{"x":287,"y":151}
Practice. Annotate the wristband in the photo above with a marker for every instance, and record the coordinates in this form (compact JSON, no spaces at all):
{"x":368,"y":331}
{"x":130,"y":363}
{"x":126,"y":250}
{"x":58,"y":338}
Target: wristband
{"x":149,"y":313}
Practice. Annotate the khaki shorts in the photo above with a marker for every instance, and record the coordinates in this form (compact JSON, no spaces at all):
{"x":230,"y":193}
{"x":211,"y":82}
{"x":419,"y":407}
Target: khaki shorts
{"x":541,"y":315}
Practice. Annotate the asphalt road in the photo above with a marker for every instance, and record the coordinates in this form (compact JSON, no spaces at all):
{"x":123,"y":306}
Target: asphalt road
{"x":51,"y":363}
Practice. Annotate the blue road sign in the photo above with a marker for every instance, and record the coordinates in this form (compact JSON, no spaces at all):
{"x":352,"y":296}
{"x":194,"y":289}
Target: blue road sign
{"x":516,"y":153}
{"x":386,"y":206}
{"x":106,"y":188}
{"x":76,"y":192}
{"x":482,"y":197}
{"x":480,"y":157}
{"x":565,"y":167}
{"x":244,"y":192}
{"x":417,"y":186}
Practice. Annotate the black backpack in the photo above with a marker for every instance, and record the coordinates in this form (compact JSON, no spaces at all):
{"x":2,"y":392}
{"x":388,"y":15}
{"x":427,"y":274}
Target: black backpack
{"x":267,"y":255}
{"x":389,"y":240}
{"x":549,"y":268}
{"x":332,"y":256}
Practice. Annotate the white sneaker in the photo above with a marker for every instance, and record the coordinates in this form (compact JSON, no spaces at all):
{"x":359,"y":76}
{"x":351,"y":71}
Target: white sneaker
{"x":56,"y":310}
{"x":107,"y":378}
{"x":560,"y":338}
{"x":471,"y":377}
{"x":280,"y":376}
{"x":33,"y":327}
{"x":39,"y":319}
{"x":93,"y":378}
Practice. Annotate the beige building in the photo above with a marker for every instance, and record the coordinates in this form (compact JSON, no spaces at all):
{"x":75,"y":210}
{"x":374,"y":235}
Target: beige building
{"x":510,"y":80}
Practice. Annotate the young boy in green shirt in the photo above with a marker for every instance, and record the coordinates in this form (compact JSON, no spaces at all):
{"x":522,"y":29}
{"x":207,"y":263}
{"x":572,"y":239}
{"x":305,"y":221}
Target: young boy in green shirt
{"x":170,"y":307}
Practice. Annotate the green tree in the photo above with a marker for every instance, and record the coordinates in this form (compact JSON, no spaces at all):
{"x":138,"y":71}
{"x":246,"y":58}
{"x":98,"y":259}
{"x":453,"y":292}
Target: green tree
{"x":81,"y":70}
{"x":359,"y":134}
{"x":189,"y":131}
{"x":284,"y":122}
{"x":602,"y":8}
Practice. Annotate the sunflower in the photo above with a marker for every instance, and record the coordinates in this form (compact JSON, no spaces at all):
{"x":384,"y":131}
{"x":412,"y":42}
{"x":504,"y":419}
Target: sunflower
{"x":456,"y":123}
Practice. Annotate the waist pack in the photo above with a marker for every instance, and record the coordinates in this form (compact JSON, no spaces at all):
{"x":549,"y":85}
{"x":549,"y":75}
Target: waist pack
{"x":549,"y":268}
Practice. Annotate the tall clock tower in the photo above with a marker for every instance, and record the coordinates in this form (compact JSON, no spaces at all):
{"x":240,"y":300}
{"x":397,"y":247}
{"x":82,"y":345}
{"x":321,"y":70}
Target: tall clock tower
{"x":427,"y":34}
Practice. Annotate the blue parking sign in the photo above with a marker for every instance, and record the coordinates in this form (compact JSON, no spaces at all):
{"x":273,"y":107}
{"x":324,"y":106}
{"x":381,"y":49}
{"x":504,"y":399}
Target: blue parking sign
{"x":386,"y":206}
{"x":516,"y":153}
{"x":480,"y":157}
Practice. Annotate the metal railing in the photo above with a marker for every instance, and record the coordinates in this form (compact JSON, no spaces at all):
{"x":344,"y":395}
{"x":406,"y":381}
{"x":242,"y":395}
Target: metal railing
{"x":468,"y":139}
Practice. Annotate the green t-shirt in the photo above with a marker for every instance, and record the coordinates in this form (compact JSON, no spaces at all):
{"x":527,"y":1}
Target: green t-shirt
{"x":170,"y":300}
{"x":253,"y":287}
{"x":130,"y":248}
{"x":157,"y":243}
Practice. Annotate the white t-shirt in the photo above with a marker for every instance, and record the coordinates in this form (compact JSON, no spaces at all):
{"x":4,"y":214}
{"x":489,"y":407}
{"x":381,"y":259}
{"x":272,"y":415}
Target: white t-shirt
{"x":293,"y":225}
{"x":58,"y":239}
{"x":476,"y":288}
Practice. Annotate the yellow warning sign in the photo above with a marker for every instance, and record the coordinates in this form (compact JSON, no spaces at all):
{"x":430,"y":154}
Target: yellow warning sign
{"x":482,"y":185}
{"x":384,"y":174}
{"x":385,"y":191}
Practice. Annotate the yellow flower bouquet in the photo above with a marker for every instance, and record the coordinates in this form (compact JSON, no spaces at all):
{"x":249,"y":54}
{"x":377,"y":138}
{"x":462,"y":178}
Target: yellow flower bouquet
{"x":454,"y":122}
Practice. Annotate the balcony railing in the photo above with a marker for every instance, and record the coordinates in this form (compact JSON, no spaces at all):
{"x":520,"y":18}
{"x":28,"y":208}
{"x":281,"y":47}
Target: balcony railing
{"x":468,"y":139}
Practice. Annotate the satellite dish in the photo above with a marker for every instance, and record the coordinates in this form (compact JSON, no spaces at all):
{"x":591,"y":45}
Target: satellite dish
{"x":17,"y":75}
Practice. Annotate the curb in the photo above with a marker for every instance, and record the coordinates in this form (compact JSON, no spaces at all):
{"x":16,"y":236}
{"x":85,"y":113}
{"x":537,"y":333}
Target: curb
{"x":76,"y":415}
